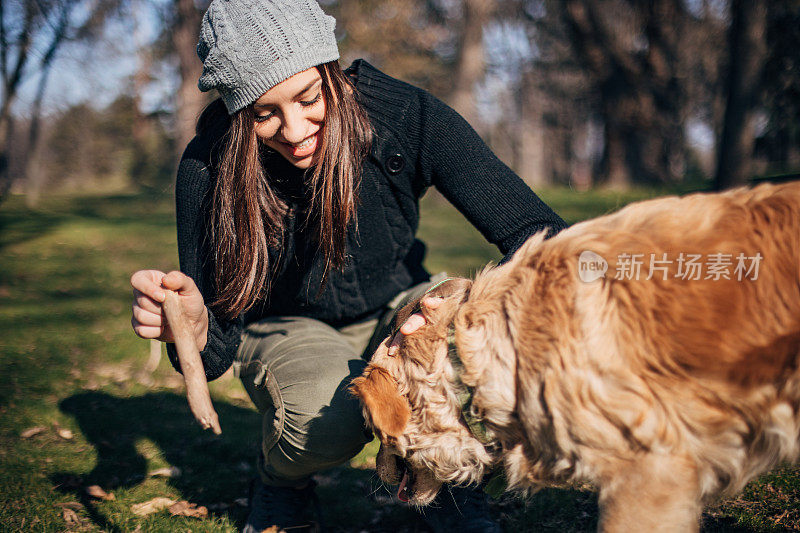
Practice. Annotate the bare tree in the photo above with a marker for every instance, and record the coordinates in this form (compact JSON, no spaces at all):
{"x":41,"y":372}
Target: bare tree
{"x":406,"y":38}
{"x":556,"y":105}
{"x":42,"y":25}
{"x":643,"y":59}
{"x":16,"y":38}
{"x":635,"y":85}
{"x":34,"y":129}
{"x":748,"y":52}
{"x":780,"y":142}
{"x":190,"y":101}
{"x":470,"y":65}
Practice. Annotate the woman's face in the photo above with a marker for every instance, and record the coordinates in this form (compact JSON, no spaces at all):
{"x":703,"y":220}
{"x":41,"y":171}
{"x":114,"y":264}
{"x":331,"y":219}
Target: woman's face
{"x":289,"y":117}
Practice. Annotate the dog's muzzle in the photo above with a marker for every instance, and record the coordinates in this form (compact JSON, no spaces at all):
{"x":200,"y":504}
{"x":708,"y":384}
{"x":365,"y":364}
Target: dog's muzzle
{"x":406,"y":490}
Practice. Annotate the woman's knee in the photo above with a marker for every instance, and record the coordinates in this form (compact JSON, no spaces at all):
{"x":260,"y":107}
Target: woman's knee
{"x":301,"y":380}
{"x":316,"y":427}
{"x":298,"y":358}
{"x":320,"y":414}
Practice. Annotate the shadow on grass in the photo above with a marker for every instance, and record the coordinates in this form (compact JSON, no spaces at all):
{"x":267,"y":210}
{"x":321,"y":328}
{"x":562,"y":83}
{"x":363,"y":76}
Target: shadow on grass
{"x":16,"y":226}
{"x":127,"y":432}
{"x":152,"y":209}
{"x":19,"y":223}
{"x":214,"y":470}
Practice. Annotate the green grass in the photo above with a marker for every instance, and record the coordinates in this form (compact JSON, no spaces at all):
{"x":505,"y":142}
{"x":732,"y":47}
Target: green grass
{"x":71,"y":362}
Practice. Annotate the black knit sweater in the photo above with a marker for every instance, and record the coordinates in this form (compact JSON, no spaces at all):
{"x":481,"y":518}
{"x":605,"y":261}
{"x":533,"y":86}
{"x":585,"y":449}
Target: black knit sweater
{"x":418,"y":142}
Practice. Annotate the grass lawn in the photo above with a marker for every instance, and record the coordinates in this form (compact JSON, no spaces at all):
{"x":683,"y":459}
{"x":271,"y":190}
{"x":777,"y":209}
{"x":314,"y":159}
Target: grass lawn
{"x":78,"y":409}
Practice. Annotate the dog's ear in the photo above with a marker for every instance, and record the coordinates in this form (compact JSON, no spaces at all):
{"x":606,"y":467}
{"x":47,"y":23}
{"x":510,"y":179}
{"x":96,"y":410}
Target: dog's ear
{"x":377,"y":390}
{"x":454,"y":289}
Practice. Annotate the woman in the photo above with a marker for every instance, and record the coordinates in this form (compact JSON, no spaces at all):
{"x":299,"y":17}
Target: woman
{"x":297,"y":205}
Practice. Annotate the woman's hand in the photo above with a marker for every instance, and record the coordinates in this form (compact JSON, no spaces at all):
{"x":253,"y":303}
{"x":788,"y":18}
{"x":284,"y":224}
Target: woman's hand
{"x":413,"y":323}
{"x":148,"y":295}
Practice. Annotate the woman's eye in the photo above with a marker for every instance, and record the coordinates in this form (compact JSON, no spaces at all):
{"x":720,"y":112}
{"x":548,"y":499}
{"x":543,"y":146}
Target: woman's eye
{"x":264,"y":118}
{"x":307,"y":103}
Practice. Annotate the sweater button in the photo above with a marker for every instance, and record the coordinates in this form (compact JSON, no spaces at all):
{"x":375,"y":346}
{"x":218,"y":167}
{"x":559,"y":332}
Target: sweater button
{"x":395,"y":163}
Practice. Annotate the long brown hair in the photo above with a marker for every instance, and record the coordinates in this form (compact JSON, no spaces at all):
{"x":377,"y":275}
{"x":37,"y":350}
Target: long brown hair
{"x":247,"y":213}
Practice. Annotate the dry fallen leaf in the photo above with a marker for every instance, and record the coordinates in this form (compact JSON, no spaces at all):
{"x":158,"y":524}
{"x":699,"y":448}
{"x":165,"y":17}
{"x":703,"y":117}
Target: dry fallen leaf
{"x":70,"y":517}
{"x":75,"y":506}
{"x":184,"y":508}
{"x":151,"y":506}
{"x":96,"y":492}
{"x":31,"y":432}
{"x":171,"y":471}
{"x":65,"y":434}
{"x":777,"y":519}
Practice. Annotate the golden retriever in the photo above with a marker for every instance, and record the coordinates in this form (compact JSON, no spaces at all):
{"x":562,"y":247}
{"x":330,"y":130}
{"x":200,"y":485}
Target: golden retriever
{"x":663,"y":388}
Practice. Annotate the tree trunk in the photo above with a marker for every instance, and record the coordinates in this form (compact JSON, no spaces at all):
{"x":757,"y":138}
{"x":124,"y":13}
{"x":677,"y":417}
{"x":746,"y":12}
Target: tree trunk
{"x":748,"y":51}
{"x":581,"y":178}
{"x":530,"y":154}
{"x":36,"y":179}
{"x":617,"y":170}
{"x":530,"y":157}
{"x":470,"y":65}
{"x":190,"y":101}
{"x":12,"y":76}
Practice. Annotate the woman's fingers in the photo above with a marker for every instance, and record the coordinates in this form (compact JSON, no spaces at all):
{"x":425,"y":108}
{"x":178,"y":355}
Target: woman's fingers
{"x":148,"y":283}
{"x":414,"y":322}
{"x":146,"y":331}
{"x":147,"y":324}
{"x":417,"y":320}
{"x":179,"y":282}
{"x":146,"y":303}
{"x":147,"y":318}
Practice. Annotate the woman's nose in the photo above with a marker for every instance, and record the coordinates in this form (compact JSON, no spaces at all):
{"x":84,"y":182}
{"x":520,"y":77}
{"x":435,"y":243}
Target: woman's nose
{"x":294,"y":126}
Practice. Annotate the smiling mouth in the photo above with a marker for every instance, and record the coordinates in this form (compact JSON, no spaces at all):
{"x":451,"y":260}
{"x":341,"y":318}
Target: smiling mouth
{"x":405,"y":491}
{"x":304,"y":148}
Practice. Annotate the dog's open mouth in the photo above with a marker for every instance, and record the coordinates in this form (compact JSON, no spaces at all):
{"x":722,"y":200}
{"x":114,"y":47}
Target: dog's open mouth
{"x":405,"y":491}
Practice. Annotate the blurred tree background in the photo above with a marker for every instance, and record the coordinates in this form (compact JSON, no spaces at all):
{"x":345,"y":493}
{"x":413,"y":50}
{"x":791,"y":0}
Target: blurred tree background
{"x":102,"y":95}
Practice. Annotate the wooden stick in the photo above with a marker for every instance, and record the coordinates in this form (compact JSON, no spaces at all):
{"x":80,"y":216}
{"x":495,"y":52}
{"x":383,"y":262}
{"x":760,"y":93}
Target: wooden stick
{"x":155,"y":357}
{"x":191,"y":365}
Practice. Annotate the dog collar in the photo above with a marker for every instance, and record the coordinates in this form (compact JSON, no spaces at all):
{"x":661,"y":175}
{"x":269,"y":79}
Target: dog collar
{"x":464,"y":392}
{"x":497,"y":483}
{"x":430,"y":289}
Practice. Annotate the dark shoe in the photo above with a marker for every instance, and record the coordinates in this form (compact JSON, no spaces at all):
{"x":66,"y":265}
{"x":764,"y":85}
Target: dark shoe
{"x":461,"y":509}
{"x":278,"y":506}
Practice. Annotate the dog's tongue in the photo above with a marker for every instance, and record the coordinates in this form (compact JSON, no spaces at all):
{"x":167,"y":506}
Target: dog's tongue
{"x":402,"y":492}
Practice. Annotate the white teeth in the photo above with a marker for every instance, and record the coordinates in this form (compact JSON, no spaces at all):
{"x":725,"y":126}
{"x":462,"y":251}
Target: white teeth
{"x":305,"y":144}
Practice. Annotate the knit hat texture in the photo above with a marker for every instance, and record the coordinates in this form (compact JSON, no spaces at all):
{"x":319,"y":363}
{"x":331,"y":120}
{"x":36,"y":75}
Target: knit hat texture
{"x":249,"y":46}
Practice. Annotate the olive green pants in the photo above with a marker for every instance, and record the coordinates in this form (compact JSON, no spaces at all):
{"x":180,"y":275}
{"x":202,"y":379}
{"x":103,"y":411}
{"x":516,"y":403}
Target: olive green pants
{"x":297,"y":371}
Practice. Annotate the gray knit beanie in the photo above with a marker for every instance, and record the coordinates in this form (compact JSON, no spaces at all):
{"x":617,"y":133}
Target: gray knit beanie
{"x":249,"y":46}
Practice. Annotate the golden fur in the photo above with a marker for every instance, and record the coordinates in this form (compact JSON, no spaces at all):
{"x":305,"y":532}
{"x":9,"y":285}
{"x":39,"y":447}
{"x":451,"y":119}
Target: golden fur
{"x":663,"y":393}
